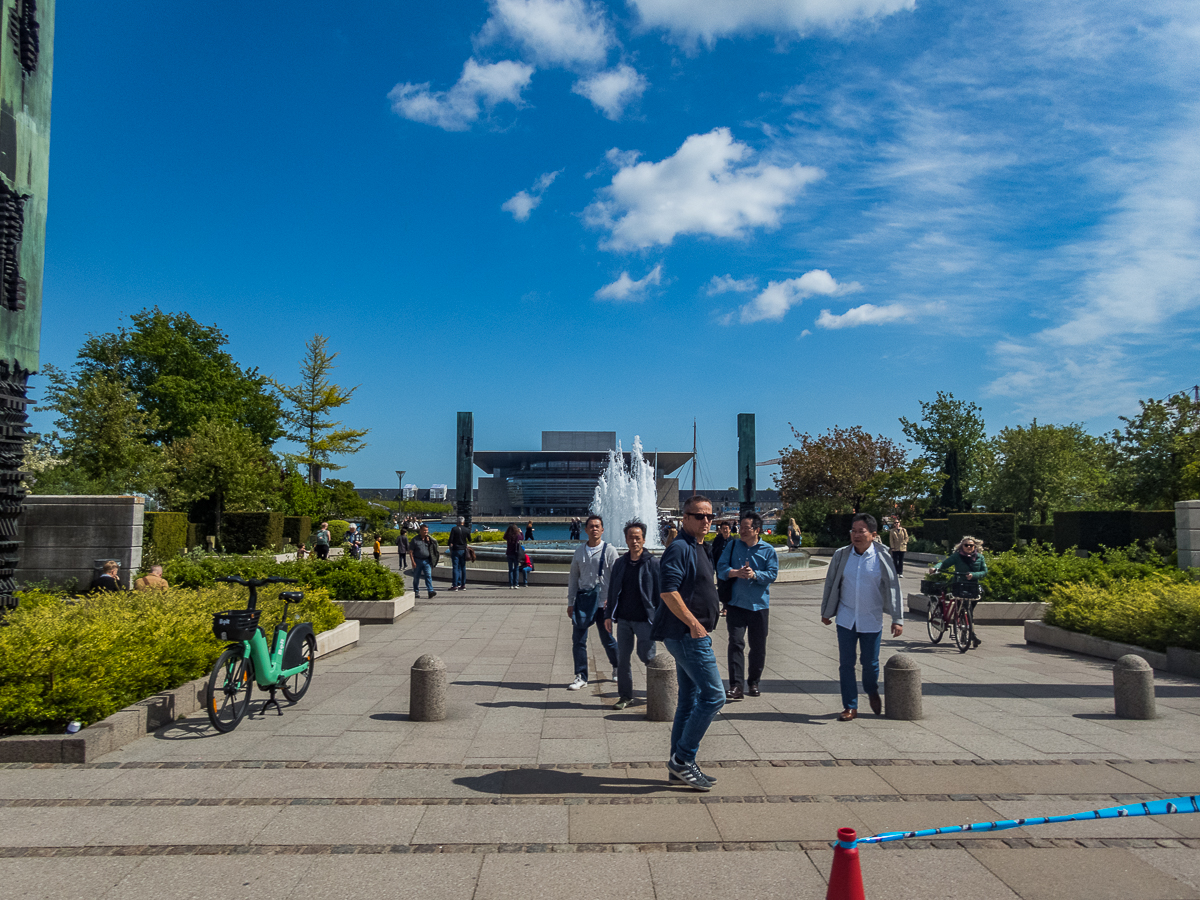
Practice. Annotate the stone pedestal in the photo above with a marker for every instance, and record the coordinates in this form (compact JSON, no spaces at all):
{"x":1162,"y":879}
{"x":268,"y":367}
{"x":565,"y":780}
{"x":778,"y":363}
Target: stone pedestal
{"x":1133,"y":688}
{"x":902,"y":688}
{"x":427,"y":690}
{"x":662,"y":688}
{"x":1187,"y":532}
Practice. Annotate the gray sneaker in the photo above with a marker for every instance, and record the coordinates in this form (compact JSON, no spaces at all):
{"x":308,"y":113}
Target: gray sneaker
{"x":689,"y":774}
{"x":622,"y":703}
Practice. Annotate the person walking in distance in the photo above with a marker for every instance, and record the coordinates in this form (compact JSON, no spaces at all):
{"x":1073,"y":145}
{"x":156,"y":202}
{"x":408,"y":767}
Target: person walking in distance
{"x":591,"y":567}
{"x":633,"y":591}
{"x":321,"y":541}
{"x":683,"y":623}
{"x":424,"y":551}
{"x":860,"y":584}
{"x":724,"y":586}
{"x":460,"y":538}
{"x":898,"y":541}
{"x":402,"y":549}
{"x":514,"y":552}
{"x":749,"y":565}
{"x":529,"y":530}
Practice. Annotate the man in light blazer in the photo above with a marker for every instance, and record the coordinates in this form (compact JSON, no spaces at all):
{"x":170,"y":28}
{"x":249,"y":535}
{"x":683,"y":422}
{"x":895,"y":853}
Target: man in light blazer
{"x":860,"y":584}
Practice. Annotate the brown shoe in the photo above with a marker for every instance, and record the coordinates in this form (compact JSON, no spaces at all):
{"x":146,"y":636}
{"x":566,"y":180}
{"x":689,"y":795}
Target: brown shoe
{"x":734,"y":693}
{"x":876,"y":704}
{"x":848,"y":715}
{"x":752,"y":689}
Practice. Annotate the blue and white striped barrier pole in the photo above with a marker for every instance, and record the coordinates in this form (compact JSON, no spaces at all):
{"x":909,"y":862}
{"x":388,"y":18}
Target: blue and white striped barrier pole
{"x":1130,"y":810}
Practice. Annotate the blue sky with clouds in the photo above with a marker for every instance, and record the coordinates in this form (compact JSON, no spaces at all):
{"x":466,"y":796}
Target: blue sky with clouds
{"x":625,"y":216}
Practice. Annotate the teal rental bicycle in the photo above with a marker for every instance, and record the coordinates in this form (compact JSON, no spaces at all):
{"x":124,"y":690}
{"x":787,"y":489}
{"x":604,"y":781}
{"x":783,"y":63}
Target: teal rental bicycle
{"x":286,"y":664}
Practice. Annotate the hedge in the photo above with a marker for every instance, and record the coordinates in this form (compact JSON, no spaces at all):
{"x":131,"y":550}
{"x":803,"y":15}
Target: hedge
{"x":63,"y":659}
{"x":347,"y":579}
{"x":998,"y":531}
{"x":1042,"y":533}
{"x":1091,"y":530}
{"x":165,"y":535}
{"x":296,"y":529}
{"x":242,"y":532}
{"x":935,"y":530}
{"x":337,"y":531}
{"x":1156,"y":613}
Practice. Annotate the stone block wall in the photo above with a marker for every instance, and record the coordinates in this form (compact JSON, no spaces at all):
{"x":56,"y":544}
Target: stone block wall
{"x":63,"y":537}
{"x":1187,"y":532}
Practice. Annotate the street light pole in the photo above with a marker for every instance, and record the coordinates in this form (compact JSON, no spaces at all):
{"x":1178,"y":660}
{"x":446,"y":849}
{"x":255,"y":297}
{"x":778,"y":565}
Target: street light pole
{"x":400,"y":497}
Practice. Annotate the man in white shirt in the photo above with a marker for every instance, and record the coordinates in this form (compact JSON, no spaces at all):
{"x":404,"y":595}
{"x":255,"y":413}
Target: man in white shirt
{"x":587,"y":591}
{"x":860,"y":584}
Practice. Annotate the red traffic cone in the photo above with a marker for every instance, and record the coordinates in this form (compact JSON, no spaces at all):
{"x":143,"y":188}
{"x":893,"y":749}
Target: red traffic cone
{"x":845,"y":878}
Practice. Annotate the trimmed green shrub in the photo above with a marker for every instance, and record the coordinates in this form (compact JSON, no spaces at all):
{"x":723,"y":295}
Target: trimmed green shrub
{"x":337,"y":531}
{"x":998,"y":531}
{"x":296,"y":529}
{"x":1156,"y":613}
{"x":1041,"y":533}
{"x":165,"y":535}
{"x":935,"y":530}
{"x":1028,"y":574}
{"x":346,"y":579}
{"x":486,"y":537}
{"x":242,"y":532}
{"x":1092,"y":529}
{"x":63,"y":659}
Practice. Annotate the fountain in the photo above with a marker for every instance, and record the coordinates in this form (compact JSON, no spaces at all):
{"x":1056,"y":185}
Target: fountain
{"x":626,"y":494}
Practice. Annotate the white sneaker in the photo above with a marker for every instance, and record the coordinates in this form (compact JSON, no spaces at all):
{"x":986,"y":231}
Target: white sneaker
{"x":578,"y":683}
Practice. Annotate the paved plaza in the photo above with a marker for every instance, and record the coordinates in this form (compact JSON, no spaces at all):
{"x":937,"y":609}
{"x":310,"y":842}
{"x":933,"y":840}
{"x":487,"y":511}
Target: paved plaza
{"x":530,"y":790}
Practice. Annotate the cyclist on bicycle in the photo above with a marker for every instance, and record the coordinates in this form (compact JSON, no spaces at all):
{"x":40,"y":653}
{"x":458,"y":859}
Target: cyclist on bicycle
{"x":969,"y":565}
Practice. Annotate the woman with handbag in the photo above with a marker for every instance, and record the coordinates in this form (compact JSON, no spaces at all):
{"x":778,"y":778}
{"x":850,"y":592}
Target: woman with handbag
{"x":514,"y":553}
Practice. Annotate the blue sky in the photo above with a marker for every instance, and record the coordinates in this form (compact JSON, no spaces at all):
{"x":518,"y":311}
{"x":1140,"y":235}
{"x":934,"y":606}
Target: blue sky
{"x":625,"y":216}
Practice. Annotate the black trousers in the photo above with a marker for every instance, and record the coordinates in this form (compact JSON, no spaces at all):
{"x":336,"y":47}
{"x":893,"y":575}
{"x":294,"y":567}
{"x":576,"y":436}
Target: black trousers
{"x":739,"y":621}
{"x":724,"y":591}
{"x":898,"y":559}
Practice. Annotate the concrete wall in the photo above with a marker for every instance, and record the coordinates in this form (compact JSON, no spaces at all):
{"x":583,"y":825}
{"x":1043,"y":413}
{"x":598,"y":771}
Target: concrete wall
{"x":1187,"y":532}
{"x":62,"y":537}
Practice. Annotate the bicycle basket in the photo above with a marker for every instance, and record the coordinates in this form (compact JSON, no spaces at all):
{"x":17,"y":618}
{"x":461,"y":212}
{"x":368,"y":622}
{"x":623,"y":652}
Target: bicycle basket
{"x":968,"y":589}
{"x":932,"y":588}
{"x":235,"y":624}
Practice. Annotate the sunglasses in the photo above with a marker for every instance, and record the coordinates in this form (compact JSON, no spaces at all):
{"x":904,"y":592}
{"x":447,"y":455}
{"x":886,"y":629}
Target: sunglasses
{"x":708,"y":516}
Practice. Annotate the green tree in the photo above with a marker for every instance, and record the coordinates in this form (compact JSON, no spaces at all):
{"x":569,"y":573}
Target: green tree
{"x":180,"y":373}
{"x":104,"y":434}
{"x":1157,"y":455}
{"x":840,"y":465}
{"x":1044,"y":468}
{"x":223,"y":467}
{"x":311,"y":402}
{"x":952,"y":437}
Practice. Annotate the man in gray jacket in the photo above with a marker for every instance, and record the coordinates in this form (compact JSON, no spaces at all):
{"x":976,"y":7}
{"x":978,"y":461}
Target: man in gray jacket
{"x":860,"y":584}
{"x":587,"y":585}
{"x":633,"y":590}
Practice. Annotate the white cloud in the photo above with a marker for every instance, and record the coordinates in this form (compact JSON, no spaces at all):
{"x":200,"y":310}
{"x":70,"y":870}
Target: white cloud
{"x":612,"y":90}
{"x":701,"y":189}
{"x":485,"y":84}
{"x":867,"y":314}
{"x":780,"y":296}
{"x":688,"y":21}
{"x":724,"y":284}
{"x":523,"y":203}
{"x":553,"y":32}
{"x":625,"y":289}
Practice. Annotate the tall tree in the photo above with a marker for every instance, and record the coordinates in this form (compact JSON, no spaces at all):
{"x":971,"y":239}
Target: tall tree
{"x":1044,"y":468}
{"x":1158,"y":453}
{"x":840,"y":465}
{"x":310,"y":403}
{"x":180,"y":372}
{"x":952,"y":436}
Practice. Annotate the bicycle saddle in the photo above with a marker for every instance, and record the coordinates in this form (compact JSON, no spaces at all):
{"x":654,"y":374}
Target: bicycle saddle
{"x":292,"y":596}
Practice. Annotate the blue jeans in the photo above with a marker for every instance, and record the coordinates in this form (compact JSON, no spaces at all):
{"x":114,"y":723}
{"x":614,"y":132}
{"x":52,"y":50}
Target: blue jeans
{"x":422,"y":568}
{"x":513,"y":566}
{"x":524,"y":571}
{"x":701,"y":693}
{"x":579,"y":635}
{"x":458,"y":568}
{"x":627,"y":633}
{"x":850,"y":639}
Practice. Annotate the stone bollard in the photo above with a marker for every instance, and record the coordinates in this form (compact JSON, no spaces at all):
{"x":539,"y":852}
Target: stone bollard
{"x":662,"y":688}
{"x":1133,"y":688}
{"x":427,"y":690}
{"x":902,"y":688}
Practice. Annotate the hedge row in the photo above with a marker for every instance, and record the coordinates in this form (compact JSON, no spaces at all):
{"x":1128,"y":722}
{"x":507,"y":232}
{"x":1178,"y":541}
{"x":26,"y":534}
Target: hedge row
{"x":346,"y":579}
{"x":1090,"y":530}
{"x":296,"y":529}
{"x":85,"y":659}
{"x":164,"y":535}
{"x":1156,"y":612}
{"x":242,"y":532}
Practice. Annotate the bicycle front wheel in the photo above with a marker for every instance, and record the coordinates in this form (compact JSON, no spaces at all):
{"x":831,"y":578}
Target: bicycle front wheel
{"x":229,"y":688}
{"x":295,"y":686}
{"x":934,"y":621}
{"x":962,"y":630}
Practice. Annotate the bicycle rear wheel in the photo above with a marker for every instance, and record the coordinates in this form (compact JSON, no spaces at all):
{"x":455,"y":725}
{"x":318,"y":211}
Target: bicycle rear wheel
{"x":229,"y":688}
{"x":295,"y":686}
{"x":934,"y":621}
{"x":962,"y":630}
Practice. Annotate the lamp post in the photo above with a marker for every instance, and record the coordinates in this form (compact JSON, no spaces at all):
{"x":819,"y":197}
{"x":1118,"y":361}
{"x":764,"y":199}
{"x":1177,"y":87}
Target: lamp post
{"x":400,"y":497}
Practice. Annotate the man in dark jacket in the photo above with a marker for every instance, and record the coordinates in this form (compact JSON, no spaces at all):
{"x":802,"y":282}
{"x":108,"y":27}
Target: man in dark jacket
{"x":424,"y":552}
{"x":460,"y":537}
{"x":633,"y":590}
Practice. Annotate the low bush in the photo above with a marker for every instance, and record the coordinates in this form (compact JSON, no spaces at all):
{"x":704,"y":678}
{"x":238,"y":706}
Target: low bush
{"x":63,"y":659}
{"x":1156,"y":612}
{"x":486,"y":537}
{"x":337,"y":531}
{"x":346,"y":579}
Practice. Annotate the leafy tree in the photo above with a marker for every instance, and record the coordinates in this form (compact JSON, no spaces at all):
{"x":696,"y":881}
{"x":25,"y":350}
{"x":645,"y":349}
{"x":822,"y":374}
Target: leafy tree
{"x":223,"y":467}
{"x":904,"y":491}
{"x":104,"y":434}
{"x":308,"y":418}
{"x":1157,"y":457}
{"x":180,"y":373}
{"x":840,"y":465}
{"x":1044,"y":468}
{"x":952,"y":437}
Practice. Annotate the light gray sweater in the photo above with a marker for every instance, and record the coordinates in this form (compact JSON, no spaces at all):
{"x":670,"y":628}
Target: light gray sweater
{"x":583,"y":572}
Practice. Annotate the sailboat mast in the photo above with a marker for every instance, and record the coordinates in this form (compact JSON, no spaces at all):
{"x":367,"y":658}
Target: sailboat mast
{"x":693,"y":457}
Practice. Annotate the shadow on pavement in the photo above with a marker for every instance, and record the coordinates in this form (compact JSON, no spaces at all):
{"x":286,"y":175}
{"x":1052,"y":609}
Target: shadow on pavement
{"x":553,"y":781}
{"x":508,"y":685}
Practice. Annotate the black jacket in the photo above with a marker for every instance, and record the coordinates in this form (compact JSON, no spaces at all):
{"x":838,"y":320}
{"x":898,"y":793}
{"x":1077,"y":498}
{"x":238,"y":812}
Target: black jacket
{"x":649,"y":584}
{"x":460,"y":536}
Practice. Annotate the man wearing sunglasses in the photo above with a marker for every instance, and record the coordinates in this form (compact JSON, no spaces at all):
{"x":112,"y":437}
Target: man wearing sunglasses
{"x":689,"y":612}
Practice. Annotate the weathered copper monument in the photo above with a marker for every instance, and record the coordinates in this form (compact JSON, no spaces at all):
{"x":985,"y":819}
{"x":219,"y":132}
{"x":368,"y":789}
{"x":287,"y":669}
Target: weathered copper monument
{"x":747,"y":486}
{"x":26,"y":66}
{"x":465,"y":468}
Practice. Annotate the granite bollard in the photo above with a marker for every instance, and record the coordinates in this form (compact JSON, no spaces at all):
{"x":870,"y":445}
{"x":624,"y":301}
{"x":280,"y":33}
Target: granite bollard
{"x":662,"y":688}
{"x":427,"y":690}
{"x":1133,"y":688}
{"x":902,"y":688}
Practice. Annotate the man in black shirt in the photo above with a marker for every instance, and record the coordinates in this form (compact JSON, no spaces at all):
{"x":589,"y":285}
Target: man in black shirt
{"x":633,"y":590}
{"x":424,"y":551}
{"x":724,"y":585}
{"x":460,"y":537}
